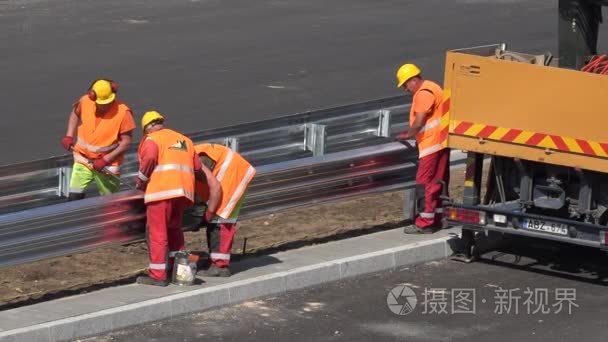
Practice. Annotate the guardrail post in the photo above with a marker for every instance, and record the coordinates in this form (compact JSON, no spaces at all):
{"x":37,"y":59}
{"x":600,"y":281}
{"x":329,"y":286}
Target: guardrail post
{"x":384,"y":123}
{"x":63,"y":188}
{"x":409,"y":204}
{"x":232,"y":143}
{"x":314,"y":138}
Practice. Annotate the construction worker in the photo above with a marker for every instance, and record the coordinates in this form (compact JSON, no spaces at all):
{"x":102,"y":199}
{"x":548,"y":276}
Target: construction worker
{"x":167,"y":172}
{"x":434,"y":158}
{"x":104,"y":126}
{"x":234,"y":174}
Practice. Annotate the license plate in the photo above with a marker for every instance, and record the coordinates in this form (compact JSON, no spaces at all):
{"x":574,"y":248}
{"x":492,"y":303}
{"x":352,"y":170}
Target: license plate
{"x":546,"y":227}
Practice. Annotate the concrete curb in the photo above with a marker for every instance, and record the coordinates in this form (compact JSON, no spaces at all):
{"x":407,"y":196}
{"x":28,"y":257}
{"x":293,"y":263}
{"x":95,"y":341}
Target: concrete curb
{"x":233,"y":292}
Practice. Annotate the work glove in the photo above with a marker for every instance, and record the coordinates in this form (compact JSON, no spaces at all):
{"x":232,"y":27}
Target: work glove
{"x":99,"y":164}
{"x":67,"y":142}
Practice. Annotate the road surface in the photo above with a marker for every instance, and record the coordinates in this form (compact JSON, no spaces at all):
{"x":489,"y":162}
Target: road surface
{"x":534,"y":292}
{"x":213,"y":63}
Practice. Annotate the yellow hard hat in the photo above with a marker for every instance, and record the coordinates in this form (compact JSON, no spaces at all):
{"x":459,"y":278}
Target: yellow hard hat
{"x":103,"y":91}
{"x":149,"y":117}
{"x":405,"y":72}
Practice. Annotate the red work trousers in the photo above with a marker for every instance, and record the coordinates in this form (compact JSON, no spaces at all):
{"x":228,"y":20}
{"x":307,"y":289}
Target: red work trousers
{"x":165,"y":235}
{"x":432,"y":170}
{"x":219,"y":241}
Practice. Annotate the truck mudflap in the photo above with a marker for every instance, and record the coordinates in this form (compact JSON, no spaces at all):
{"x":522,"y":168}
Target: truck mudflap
{"x":483,"y":217}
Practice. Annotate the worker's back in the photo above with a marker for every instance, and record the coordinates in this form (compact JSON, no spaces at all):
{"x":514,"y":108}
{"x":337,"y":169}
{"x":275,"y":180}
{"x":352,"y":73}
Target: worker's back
{"x":232,"y":171}
{"x":174,"y":174}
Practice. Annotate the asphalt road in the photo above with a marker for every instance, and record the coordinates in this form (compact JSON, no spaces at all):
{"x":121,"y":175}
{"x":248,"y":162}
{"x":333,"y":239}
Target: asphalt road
{"x":535,"y":292}
{"x":212,"y":63}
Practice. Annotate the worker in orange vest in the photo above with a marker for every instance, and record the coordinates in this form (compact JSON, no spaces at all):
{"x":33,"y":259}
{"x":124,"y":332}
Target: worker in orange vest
{"x":434,"y":158}
{"x":234,"y":174}
{"x":104,"y":126}
{"x":167,"y":172}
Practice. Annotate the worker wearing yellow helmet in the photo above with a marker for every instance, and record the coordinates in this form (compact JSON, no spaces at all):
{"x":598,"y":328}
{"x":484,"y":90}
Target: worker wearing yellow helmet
{"x":103,"y":126}
{"x":425,"y":127}
{"x":168,"y":167}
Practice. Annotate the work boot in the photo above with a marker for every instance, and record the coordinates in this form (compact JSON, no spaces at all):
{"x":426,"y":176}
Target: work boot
{"x":214,"y":271}
{"x":146,"y":280}
{"x":416,"y":230}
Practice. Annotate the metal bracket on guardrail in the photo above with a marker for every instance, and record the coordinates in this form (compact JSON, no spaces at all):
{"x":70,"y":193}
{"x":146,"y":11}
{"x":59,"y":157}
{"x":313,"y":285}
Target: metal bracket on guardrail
{"x":384,"y":123}
{"x":65,"y":173}
{"x":314,"y":138}
{"x":232,"y":143}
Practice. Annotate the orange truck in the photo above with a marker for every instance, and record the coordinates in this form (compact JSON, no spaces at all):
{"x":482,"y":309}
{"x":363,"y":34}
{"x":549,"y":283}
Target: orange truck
{"x":545,"y":130}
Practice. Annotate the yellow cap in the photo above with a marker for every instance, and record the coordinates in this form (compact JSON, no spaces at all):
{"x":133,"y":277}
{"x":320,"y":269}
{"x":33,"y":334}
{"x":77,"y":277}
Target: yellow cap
{"x":405,"y":72}
{"x":103,"y":92}
{"x":150,"y":117}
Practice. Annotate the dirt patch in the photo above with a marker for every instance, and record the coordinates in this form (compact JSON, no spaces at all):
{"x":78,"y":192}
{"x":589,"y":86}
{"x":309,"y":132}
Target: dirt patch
{"x":85,"y":272}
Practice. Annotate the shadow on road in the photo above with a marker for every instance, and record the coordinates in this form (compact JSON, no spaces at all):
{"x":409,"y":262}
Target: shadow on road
{"x":546,"y":257}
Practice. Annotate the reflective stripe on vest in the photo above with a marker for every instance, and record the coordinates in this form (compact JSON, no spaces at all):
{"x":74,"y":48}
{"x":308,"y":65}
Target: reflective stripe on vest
{"x":238,"y":192}
{"x":81,"y":159}
{"x":173,"y":193}
{"x":93,"y":148}
{"x":430,"y":150}
{"x":430,"y":125}
{"x":171,"y":167}
{"x":225,"y":166}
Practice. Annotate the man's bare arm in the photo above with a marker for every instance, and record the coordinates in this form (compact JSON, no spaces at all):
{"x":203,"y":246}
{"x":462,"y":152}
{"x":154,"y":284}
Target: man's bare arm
{"x":124,"y":143}
{"x":72,"y":123}
{"x":417,"y":125}
{"x":215,"y":190}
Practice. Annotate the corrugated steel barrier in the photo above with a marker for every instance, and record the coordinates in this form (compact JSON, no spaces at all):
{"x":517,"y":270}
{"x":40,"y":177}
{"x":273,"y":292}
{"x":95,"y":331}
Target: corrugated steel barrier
{"x":301,"y":159}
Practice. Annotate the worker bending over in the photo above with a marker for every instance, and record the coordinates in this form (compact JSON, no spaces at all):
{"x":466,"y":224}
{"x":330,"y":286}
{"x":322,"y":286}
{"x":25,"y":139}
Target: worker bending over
{"x":433,"y":168}
{"x":167,"y":172}
{"x":234,"y":174}
{"x":104,"y":126}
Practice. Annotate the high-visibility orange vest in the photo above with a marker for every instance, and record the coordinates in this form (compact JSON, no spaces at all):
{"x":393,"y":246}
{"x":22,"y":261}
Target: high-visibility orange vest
{"x":428,"y":138}
{"x":232,"y":171}
{"x":95,"y":141}
{"x":173,"y":175}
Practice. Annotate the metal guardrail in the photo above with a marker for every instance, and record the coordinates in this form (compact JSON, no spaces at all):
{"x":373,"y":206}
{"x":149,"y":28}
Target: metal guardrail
{"x":290,"y":154}
{"x":77,"y":226}
{"x":71,"y":227}
{"x":334,"y":176}
{"x":44,"y":182}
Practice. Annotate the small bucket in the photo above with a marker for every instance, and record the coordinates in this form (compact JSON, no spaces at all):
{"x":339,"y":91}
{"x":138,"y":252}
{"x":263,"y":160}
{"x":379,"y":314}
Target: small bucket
{"x":184,"y":269}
